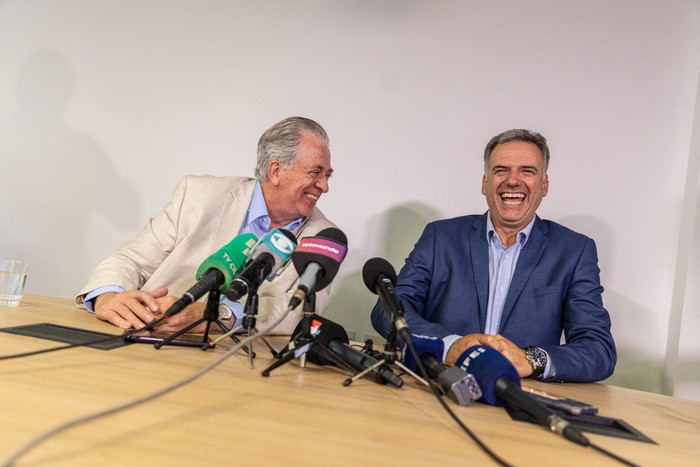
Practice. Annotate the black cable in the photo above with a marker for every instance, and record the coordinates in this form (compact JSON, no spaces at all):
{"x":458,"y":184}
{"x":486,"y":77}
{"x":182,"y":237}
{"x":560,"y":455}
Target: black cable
{"x":133,"y":403}
{"x":574,"y":435}
{"x":459,"y":422}
{"x":612,"y":456}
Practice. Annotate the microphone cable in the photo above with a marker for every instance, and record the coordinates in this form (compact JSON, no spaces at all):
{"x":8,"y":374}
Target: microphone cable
{"x":613,"y":456}
{"x":136,"y":402}
{"x":424,"y":373}
{"x":582,"y":440}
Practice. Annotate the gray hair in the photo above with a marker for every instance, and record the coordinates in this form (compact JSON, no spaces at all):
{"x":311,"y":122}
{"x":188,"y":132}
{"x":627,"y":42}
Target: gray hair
{"x":281,"y":141}
{"x":517,"y":134}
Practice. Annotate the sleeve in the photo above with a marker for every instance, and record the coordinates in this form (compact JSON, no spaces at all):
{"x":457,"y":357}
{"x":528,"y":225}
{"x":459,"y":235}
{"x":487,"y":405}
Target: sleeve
{"x":413,"y":286}
{"x":133,"y":264}
{"x":589,"y":353}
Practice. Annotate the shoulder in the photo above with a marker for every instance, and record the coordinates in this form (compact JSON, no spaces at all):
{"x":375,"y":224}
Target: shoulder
{"x":457,"y":225}
{"x":317,"y":222}
{"x":557,"y":231}
{"x":212,"y":182}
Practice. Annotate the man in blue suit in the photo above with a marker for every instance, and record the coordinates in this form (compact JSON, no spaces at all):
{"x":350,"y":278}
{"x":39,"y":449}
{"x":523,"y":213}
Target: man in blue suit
{"x":508,"y":279}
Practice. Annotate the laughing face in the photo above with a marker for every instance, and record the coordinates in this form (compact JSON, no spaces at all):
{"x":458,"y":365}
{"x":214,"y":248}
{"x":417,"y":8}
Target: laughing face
{"x":514,"y":184}
{"x":293,"y":192}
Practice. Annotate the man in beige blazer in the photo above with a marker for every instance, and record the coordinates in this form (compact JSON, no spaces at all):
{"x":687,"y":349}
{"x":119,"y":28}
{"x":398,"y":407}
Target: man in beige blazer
{"x":140,"y":281}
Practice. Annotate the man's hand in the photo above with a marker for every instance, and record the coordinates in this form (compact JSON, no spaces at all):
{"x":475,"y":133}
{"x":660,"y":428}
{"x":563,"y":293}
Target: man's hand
{"x":130,"y":309}
{"x":515,"y":355}
{"x":512,"y":352}
{"x":190,"y":314}
{"x":463,"y":343}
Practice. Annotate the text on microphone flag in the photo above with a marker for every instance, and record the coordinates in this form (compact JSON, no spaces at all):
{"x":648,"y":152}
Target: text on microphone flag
{"x":322,"y":246}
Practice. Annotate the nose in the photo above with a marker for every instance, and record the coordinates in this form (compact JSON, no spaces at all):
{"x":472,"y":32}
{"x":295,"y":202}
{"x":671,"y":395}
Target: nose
{"x":322,"y":183}
{"x":513,"y":178}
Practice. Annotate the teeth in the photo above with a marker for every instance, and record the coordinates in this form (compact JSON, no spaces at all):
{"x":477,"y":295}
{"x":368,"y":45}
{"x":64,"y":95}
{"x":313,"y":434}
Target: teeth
{"x":512,"y":195}
{"x":313,"y":197}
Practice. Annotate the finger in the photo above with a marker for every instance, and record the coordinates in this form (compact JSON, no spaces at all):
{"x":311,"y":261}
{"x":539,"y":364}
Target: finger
{"x":160,"y":292}
{"x":142,"y":302}
{"x":124,"y":320}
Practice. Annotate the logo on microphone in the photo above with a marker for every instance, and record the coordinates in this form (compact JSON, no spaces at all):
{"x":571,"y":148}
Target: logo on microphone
{"x":283,"y":245}
{"x":472,"y":356}
{"x":315,"y":327}
{"x":323,"y":246}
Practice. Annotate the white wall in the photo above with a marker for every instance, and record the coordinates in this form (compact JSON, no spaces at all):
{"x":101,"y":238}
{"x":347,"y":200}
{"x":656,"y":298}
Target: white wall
{"x":105,"y":105}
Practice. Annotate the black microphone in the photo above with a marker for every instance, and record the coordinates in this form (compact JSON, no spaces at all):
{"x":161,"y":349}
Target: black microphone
{"x":333,"y":337}
{"x":459,"y":385}
{"x":317,"y":260}
{"x":268,"y":256}
{"x":217,"y":271}
{"x":500,"y":385}
{"x":380,"y":278}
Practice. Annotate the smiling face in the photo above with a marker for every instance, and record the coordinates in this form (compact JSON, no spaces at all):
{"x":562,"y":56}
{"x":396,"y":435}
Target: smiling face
{"x":291,"y":193}
{"x":514,"y":184}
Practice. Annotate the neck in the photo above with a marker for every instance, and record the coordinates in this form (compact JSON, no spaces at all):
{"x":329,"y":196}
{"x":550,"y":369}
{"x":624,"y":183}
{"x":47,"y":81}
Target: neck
{"x":507,"y":237}
{"x":277,"y":220}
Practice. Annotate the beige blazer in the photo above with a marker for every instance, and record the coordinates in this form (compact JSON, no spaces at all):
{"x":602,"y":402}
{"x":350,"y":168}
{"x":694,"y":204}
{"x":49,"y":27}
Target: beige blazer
{"x":204,"y":214}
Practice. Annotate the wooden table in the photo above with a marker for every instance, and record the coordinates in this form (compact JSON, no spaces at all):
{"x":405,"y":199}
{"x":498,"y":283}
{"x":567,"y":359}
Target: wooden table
{"x":297,"y":416}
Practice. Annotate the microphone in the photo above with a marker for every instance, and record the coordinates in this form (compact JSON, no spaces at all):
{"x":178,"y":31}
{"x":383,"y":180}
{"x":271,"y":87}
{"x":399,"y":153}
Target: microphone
{"x":217,"y":271}
{"x":317,"y":260}
{"x":459,"y":385}
{"x":500,"y":384}
{"x":333,"y":336}
{"x":380,"y":278}
{"x":267,"y":257}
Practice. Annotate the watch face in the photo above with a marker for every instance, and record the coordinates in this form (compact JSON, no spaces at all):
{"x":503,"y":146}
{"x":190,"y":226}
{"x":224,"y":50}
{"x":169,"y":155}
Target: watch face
{"x":225,"y":312}
{"x":537,"y":358}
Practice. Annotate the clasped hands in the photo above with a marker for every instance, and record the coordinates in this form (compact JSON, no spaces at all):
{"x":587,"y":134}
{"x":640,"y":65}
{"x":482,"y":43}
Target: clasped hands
{"x":512,"y":352}
{"x":137,"y":308}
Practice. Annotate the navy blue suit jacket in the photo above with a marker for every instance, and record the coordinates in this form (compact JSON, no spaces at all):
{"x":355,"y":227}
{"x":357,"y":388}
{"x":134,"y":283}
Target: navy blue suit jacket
{"x":556,"y":287}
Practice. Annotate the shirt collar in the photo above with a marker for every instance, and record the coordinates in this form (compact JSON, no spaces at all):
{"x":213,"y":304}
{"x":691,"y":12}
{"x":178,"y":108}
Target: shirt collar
{"x":523,"y":235}
{"x":257,"y":212}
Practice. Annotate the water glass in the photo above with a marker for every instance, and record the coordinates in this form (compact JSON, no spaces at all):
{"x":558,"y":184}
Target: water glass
{"x":13,"y":275}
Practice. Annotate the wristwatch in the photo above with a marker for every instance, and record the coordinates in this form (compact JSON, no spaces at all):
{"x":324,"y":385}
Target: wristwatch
{"x":225,"y":313}
{"x":537,"y":358}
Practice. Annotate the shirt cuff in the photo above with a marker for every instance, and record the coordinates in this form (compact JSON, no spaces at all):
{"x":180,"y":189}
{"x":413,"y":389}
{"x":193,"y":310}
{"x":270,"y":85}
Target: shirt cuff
{"x":236,"y":308}
{"x":89,"y":300}
{"x":549,"y":369}
{"x":448,"y":341}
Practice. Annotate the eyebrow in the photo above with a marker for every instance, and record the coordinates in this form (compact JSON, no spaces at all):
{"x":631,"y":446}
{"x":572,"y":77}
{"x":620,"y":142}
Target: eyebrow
{"x":320,"y":167}
{"x":519,"y":167}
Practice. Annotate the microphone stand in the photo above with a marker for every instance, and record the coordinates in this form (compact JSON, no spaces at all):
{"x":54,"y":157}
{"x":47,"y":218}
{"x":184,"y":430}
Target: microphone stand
{"x":303,"y":342}
{"x":249,"y":323}
{"x":210,"y":315}
{"x":388,"y":357}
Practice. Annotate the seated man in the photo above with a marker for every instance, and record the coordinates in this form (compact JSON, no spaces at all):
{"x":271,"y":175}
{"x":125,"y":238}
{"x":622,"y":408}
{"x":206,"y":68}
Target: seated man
{"x":508,"y":279}
{"x":140,"y":281}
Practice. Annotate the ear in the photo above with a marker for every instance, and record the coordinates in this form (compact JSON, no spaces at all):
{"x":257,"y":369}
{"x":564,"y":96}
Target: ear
{"x":274,"y":170}
{"x":483,"y":185}
{"x":545,"y":185}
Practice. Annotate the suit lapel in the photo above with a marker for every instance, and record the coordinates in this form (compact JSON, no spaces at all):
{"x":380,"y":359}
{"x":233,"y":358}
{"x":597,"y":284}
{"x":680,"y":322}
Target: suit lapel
{"x":233,"y":212}
{"x":479,"y":252}
{"x":529,"y":257}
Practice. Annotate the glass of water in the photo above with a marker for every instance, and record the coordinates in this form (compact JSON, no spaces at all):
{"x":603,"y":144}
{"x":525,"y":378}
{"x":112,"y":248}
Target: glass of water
{"x":13,"y":275}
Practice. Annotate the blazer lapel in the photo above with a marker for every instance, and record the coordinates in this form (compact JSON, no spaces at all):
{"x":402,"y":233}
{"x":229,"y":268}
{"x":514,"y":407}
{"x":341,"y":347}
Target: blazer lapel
{"x":233,"y":212}
{"x":478,"y":249}
{"x":529,"y":257}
